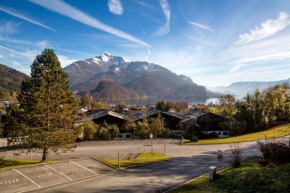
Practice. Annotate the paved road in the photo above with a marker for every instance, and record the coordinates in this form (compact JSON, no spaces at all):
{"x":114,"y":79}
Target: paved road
{"x":187,"y":162}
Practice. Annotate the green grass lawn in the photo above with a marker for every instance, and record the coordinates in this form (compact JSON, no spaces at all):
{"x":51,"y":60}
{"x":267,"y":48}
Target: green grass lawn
{"x":141,"y":159}
{"x":13,"y":163}
{"x":274,"y":132}
{"x":251,"y":177}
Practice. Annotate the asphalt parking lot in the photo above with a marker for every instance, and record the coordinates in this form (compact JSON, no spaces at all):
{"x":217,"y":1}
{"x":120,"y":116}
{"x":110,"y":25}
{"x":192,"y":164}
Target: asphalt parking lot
{"x":88,"y":175}
{"x":42,"y":176}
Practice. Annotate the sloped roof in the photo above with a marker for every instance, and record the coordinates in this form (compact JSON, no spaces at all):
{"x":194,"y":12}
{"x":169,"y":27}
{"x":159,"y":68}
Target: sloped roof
{"x":144,"y":114}
{"x":174,"y":114}
{"x":95,"y":114}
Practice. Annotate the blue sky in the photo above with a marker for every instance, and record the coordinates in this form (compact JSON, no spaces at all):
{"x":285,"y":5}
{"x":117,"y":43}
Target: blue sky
{"x":213,"y":42}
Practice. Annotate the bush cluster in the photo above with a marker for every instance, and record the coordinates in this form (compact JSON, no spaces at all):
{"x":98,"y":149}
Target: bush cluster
{"x":102,"y":132}
{"x":276,"y":152}
{"x":256,"y":179}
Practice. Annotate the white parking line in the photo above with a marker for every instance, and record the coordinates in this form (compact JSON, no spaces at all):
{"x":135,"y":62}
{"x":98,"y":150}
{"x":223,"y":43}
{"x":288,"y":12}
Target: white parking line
{"x":132,"y":142}
{"x":108,"y":156}
{"x":27,"y":178}
{"x":144,"y":142}
{"x":59,"y":173}
{"x":84,"y":168}
{"x":168,"y":141}
{"x":124,"y":155}
{"x":155,"y":142}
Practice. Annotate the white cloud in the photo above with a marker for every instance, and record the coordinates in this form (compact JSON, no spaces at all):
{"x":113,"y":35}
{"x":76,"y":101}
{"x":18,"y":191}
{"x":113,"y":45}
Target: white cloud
{"x":21,"y":16}
{"x":16,"y":63}
{"x":65,"y":61}
{"x":163,"y":30}
{"x":1,"y":56}
{"x":268,"y":57}
{"x":145,"y":5}
{"x":73,"y":51}
{"x":235,"y":68}
{"x":75,"y":14}
{"x":272,"y":67}
{"x":28,"y":53}
{"x":200,"y":25}
{"x":42,"y":44}
{"x":16,"y":41}
{"x":9,"y":27}
{"x":115,"y":7}
{"x":267,"y":28}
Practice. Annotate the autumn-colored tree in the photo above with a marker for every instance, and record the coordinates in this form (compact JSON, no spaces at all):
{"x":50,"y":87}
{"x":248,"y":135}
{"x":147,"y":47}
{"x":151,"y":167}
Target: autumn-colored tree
{"x":98,"y":105}
{"x":88,"y":100}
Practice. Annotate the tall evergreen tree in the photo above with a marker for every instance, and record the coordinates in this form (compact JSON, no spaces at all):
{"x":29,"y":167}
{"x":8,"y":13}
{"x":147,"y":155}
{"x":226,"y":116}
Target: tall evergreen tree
{"x":48,"y":108}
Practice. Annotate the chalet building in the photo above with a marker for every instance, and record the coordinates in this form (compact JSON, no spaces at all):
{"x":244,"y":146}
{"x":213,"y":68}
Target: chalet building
{"x":99,"y":116}
{"x":172,"y":120}
{"x":206,"y":121}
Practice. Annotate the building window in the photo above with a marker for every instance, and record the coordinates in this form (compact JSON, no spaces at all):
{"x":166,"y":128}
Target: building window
{"x":128,"y":136}
{"x":225,"y":133}
{"x":220,"y":133}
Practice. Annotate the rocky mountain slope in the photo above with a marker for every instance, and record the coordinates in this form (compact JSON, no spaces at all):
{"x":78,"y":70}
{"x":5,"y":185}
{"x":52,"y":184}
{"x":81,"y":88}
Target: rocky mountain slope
{"x":147,"y":79}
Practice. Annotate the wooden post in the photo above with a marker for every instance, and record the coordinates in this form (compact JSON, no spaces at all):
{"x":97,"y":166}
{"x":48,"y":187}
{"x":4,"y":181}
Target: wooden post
{"x":30,"y":155}
{"x":118,"y":160}
{"x":144,"y":149}
{"x":164,"y":149}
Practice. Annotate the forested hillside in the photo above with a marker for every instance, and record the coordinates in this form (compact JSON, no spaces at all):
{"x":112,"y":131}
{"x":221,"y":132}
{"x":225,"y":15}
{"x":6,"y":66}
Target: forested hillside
{"x":10,"y":80}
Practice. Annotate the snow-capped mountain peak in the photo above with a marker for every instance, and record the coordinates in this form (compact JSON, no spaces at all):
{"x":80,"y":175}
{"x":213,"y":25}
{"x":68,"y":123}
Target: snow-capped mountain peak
{"x":112,"y":59}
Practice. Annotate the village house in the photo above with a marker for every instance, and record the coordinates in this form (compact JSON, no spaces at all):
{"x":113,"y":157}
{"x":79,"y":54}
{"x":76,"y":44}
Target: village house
{"x":175,"y":121}
{"x":207,"y":122}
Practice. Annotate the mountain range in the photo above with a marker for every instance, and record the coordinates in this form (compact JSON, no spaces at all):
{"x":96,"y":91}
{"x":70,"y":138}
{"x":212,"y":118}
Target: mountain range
{"x":240,"y":89}
{"x":130,"y":79}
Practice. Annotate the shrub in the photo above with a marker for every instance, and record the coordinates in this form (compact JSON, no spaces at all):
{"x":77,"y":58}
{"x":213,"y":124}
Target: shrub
{"x":237,"y":153}
{"x":102,"y":134}
{"x":114,"y":131}
{"x":256,"y":179}
{"x":276,"y":152}
{"x":89,"y":132}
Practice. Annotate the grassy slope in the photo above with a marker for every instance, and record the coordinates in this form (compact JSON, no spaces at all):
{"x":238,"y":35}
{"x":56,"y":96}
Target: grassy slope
{"x":270,"y":133}
{"x":251,"y":177}
{"x":12,"y":163}
{"x":141,"y":159}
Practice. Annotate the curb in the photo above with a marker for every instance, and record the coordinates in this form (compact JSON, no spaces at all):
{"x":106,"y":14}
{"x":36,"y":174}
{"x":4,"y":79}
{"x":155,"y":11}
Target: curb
{"x":135,"y":166}
{"x":105,"y":164}
{"x":234,"y":142}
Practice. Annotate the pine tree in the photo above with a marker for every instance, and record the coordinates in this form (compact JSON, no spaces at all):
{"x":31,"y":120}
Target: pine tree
{"x":48,"y":108}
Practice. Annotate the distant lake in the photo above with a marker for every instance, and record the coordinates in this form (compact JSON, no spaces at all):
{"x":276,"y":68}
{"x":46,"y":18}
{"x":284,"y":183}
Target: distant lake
{"x":146,"y":101}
